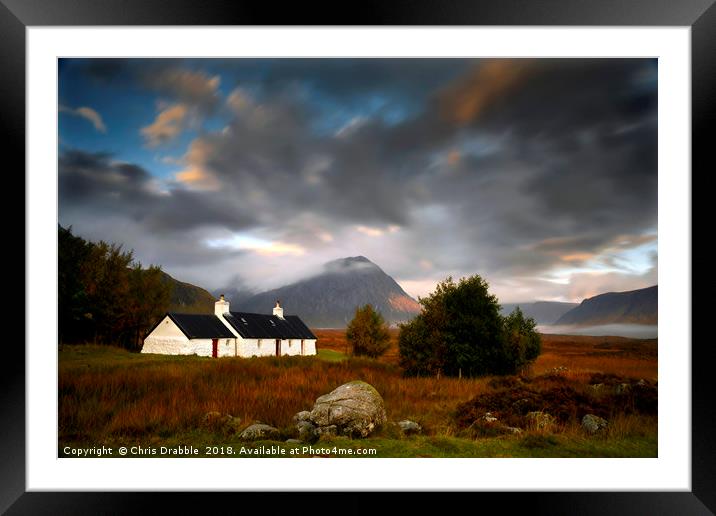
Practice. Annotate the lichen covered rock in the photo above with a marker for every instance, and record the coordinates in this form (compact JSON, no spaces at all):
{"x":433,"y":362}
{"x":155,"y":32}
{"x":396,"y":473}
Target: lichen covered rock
{"x":355,"y":408}
{"x":259,"y":431}
{"x":593,"y":424}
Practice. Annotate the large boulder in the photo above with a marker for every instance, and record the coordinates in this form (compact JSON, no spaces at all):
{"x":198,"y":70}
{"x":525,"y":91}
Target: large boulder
{"x":259,"y":431}
{"x":355,"y":409}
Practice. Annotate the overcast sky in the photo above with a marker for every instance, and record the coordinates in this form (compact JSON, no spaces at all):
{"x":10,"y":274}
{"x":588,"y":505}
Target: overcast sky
{"x":538,"y":174}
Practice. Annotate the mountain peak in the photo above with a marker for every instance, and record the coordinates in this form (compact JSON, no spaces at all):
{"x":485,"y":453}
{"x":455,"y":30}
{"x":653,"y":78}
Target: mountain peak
{"x":330,"y":298}
{"x":350,"y":264}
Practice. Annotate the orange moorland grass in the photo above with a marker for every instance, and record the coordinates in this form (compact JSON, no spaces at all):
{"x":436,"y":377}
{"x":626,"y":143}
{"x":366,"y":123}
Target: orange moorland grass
{"x":118,"y":394}
{"x":164,"y":397}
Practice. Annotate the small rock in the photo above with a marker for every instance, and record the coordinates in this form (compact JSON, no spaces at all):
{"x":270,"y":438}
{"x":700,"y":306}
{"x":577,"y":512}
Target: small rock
{"x":513,"y":429}
{"x":259,"y":431}
{"x":213,"y":417}
{"x":641,"y":383}
{"x":409,"y":427}
{"x":623,"y":388}
{"x":597,"y":386}
{"x":232,"y":424}
{"x":216,"y":420}
{"x":307,"y":432}
{"x":593,"y":424}
{"x":540,"y":420}
{"x":304,"y":415}
{"x":489,"y":418}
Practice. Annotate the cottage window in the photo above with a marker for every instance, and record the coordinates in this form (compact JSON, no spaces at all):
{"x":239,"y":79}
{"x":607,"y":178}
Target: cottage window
{"x":259,"y":343}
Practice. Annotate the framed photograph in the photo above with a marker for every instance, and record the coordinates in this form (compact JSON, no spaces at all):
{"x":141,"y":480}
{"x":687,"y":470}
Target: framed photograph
{"x":424,"y":248}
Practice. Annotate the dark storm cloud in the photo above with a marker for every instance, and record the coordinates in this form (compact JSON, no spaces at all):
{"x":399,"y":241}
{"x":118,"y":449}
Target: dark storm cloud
{"x":101,"y":186}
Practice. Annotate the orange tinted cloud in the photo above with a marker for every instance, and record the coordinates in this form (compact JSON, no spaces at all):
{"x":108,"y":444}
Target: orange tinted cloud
{"x":88,"y":114}
{"x":196,"y":174}
{"x":167,"y":125}
{"x":577,"y":257}
{"x":467,"y":99}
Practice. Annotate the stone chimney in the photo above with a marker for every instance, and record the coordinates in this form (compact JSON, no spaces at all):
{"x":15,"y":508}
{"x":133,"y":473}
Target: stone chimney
{"x":277,"y":310}
{"x":221,"y":306}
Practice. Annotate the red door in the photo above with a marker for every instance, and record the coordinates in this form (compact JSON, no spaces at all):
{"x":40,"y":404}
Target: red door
{"x":278,"y":347}
{"x":214,"y":348}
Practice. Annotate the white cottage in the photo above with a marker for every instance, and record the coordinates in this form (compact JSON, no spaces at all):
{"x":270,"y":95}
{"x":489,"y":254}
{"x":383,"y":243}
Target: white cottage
{"x":230,"y":334}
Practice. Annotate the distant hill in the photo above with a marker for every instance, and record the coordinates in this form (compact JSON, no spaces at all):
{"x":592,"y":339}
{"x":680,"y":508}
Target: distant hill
{"x":632,"y":307}
{"x":543,"y":312}
{"x":329,"y":299}
{"x":235,"y":295}
{"x":188,"y":298}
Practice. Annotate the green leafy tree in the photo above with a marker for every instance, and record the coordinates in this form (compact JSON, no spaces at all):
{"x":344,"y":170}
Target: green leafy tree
{"x":522,"y":342}
{"x":104,"y":294}
{"x":367,"y":333}
{"x":72,"y":298}
{"x":460,"y":332}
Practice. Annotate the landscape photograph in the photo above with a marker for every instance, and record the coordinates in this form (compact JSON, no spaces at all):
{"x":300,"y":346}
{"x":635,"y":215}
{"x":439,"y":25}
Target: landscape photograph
{"x":357,"y":257}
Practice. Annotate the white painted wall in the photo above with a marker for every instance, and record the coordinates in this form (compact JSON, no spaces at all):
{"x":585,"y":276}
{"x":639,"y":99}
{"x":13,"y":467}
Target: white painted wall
{"x":309,"y":347}
{"x":227,"y":348}
{"x":184,"y":346}
{"x":167,"y":328}
{"x":168,"y":339}
{"x":257,"y":347}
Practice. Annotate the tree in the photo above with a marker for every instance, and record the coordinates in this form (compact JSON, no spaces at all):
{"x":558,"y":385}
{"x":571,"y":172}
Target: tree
{"x":104,"y":294}
{"x":367,"y":333}
{"x":522,"y":342}
{"x":72,"y":299}
{"x":460,"y":332}
{"x":149,"y":299}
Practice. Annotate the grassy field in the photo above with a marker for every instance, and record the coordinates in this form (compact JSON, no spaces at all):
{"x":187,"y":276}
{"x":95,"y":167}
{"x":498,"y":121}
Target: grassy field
{"x":110,"y":397}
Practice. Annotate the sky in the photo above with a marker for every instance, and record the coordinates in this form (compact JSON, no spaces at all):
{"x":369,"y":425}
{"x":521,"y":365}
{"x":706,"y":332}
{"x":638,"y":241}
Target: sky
{"x":540,"y":175}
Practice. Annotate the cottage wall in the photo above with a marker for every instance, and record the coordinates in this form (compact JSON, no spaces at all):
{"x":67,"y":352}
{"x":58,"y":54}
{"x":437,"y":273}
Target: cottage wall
{"x":227,"y":348}
{"x":257,"y":347}
{"x":167,"y":339}
{"x":177,"y":346}
{"x":309,"y":346}
{"x":167,"y":328}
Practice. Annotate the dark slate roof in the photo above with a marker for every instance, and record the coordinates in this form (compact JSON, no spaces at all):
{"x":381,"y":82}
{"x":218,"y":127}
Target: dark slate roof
{"x":264,"y":326}
{"x":201,"y":326}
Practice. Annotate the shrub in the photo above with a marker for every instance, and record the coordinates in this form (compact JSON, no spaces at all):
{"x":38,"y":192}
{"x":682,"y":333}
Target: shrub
{"x":367,"y":333}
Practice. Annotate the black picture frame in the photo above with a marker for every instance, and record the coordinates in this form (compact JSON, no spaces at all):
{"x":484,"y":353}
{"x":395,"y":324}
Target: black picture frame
{"x":700,"y":15}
